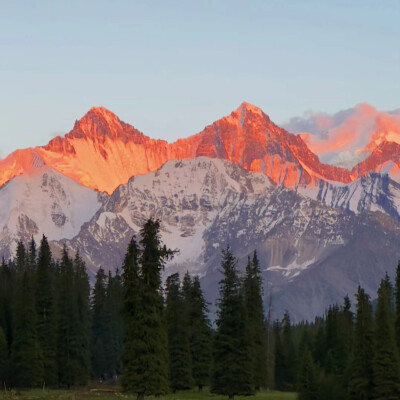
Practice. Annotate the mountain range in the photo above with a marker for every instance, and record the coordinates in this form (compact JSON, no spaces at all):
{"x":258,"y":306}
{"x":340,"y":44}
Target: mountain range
{"x":320,"y":229}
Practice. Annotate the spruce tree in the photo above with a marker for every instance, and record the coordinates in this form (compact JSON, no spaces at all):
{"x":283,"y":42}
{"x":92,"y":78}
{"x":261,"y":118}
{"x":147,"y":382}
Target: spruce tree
{"x":145,"y":354}
{"x":26,"y":357}
{"x":82,"y":329}
{"x":7,"y":297}
{"x":178,"y":336}
{"x":152,"y":261}
{"x":46,"y":312}
{"x":21,"y":257}
{"x":113,"y":345}
{"x":279,"y":357}
{"x":67,"y":328}
{"x":3,"y":358}
{"x":307,"y":386}
{"x":361,"y":378}
{"x":232,"y":366}
{"x":289,"y":356}
{"x":99,"y":325}
{"x":134,"y":327}
{"x":200,"y":332}
{"x":31,"y":255}
{"x":255,"y":321}
{"x":386,"y":361}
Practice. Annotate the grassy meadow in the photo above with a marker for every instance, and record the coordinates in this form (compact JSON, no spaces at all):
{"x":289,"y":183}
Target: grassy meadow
{"x":112,"y":394}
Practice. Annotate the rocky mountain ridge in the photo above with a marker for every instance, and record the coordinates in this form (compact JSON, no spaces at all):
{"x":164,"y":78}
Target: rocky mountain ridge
{"x":319,"y":230}
{"x":206,"y":204}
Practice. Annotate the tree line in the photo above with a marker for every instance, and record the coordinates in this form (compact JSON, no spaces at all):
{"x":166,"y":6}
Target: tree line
{"x":350,"y":355}
{"x":57,"y":331}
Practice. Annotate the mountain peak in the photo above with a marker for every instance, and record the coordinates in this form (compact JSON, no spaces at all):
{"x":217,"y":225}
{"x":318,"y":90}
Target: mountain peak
{"x":248,"y":107}
{"x":98,"y":121}
{"x":100,"y":114}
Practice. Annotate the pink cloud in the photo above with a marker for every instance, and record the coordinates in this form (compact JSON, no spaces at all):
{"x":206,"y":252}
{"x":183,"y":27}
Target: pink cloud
{"x":351,"y":133}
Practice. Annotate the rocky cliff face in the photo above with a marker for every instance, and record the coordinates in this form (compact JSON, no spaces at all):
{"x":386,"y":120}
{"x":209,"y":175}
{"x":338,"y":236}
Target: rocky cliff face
{"x":206,"y":204}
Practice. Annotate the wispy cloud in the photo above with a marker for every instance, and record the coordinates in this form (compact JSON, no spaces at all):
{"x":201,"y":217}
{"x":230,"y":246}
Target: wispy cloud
{"x":348,"y":136}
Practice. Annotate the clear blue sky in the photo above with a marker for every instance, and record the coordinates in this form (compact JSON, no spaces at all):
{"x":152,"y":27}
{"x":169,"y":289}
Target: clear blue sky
{"x":172,"y":67}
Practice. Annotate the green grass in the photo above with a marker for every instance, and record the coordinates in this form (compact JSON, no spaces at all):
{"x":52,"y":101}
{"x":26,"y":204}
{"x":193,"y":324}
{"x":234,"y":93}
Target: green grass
{"x":86,"y":394}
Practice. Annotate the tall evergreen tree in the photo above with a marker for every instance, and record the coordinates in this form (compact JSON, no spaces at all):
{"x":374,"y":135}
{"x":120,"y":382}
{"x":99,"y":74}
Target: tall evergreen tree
{"x":26,"y":357}
{"x":82,"y":338}
{"x":134,"y":328}
{"x":232,"y":364}
{"x":46,"y":312}
{"x":307,"y":386}
{"x":113,"y":312}
{"x":7,"y":297}
{"x":31,"y":255}
{"x":4,"y":362}
{"x":178,"y":336}
{"x":99,"y":325}
{"x":67,"y":328}
{"x":289,"y":355}
{"x":21,"y":257}
{"x":361,"y":378}
{"x":145,"y":357}
{"x":200,"y":331}
{"x":255,"y":321}
{"x":386,"y":361}
{"x":279,"y":357}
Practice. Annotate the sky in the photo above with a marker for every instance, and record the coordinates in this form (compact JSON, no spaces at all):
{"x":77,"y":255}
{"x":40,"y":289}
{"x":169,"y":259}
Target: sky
{"x":172,"y":67}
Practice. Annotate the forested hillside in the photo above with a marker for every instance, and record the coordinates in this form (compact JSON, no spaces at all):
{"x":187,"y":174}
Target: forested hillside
{"x":56,"y":331}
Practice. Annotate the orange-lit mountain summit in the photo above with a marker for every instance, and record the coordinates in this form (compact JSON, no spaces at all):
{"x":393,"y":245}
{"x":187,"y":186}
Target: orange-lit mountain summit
{"x":102,"y":152}
{"x":219,"y":193}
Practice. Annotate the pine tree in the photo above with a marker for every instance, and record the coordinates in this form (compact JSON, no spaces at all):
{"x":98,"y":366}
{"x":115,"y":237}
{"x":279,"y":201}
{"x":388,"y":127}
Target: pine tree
{"x":200,"y":331}
{"x":7,"y":297}
{"x":82,"y":331}
{"x":231,"y":362}
{"x":26,"y":357}
{"x":361,"y":378}
{"x":178,"y":336}
{"x":31,"y":255}
{"x":289,"y":356}
{"x":346,"y":327}
{"x":255,"y":321}
{"x":307,"y":378}
{"x":134,"y":328}
{"x":21,"y":257}
{"x":279,"y":357}
{"x":145,"y":354}
{"x":3,"y":358}
{"x":67,"y":329}
{"x":113,"y":310}
{"x":152,"y":261}
{"x":46,"y":312}
{"x":332,"y":363}
{"x":99,"y":325}
{"x":386,"y":361}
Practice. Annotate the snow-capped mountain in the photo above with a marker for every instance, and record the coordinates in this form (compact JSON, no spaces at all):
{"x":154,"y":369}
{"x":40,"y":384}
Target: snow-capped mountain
{"x":43,"y":202}
{"x":373,"y":192}
{"x":102,"y":152}
{"x":205,"y":204}
{"x":319,"y":230}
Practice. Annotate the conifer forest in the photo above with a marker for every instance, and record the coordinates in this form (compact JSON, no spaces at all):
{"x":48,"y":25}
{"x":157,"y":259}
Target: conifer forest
{"x":154,"y":337}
